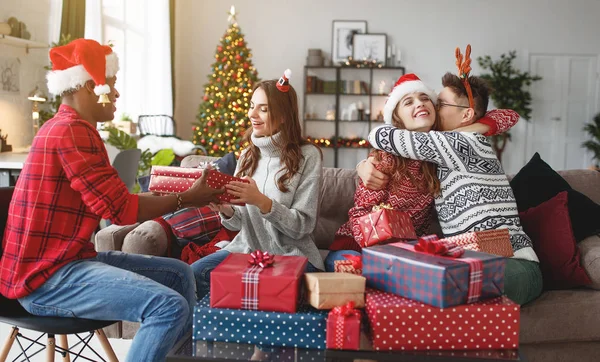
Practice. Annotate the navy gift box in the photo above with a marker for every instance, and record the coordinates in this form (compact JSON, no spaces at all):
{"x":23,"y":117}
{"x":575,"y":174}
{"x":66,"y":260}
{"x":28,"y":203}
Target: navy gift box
{"x":304,"y":329}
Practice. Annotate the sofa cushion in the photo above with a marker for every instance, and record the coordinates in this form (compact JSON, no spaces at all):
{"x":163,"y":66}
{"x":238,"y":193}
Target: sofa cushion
{"x":549,"y":227}
{"x":537,"y":182}
{"x":590,"y":259}
{"x":561,"y":316}
{"x":336,"y":198}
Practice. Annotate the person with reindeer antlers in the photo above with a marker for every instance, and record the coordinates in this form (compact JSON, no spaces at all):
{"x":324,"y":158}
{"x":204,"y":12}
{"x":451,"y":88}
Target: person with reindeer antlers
{"x":475,"y":193}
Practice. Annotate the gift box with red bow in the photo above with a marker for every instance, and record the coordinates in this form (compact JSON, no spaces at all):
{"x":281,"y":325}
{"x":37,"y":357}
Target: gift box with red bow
{"x":330,"y":290}
{"x":343,"y":327}
{"x":434,"y":272}
{"x":257,"y":281}
{"x":397,"y":323}
{"x":168,"y":179}
{"x":384,"y":223}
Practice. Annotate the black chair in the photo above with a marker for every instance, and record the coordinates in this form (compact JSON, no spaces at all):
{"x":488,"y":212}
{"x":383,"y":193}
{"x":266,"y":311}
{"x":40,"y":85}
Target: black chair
{"x":157,"y":125}
{"x":11,"y":312}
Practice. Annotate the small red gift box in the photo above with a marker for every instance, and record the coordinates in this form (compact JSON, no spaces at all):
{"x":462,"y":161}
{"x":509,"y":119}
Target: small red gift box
{"x":351,"y":264}
{"x":238,"y":285}
{"x":398,"y":323}
{"x":384,"y":223}
{"x":343,"y":327}
{"x":169,"y":179}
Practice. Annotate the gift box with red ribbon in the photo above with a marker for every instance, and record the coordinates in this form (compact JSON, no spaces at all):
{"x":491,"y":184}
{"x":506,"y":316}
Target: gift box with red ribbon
{"x":343,"y":327}
{"x":434,"y":272}
{"x":168,"y":179}
{"x":350,"y":264}
{"x":384,"y":223}
{"x":257,"y":281}
{"x":397,"y":323}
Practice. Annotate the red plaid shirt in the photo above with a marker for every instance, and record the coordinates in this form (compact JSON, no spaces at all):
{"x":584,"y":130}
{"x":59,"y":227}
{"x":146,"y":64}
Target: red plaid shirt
{"x":67,"y":184}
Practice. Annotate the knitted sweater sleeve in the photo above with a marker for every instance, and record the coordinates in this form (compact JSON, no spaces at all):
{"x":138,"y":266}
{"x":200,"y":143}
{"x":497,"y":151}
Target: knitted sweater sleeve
{"x":455,"y":150}
{"x":300,"y":218}
{"x":234,"y":223}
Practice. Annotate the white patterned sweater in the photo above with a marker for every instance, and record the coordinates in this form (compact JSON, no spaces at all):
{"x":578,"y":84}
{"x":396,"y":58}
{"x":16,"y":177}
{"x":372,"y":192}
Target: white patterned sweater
{"x":475,"y":193}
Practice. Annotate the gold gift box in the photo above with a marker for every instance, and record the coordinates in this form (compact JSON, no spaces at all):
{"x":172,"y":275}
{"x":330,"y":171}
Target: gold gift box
{"x":330,"y":290}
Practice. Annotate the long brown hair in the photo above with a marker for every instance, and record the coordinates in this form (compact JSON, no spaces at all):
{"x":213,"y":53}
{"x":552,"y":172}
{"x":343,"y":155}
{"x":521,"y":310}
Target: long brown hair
{"x":283,"y":111}
{"x":432,"y":183}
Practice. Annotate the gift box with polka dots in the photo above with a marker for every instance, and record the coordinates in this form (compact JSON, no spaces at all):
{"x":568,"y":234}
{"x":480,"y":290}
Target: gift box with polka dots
{"x":169,"y":179}
{"x":397,"y":323}
{"x":304,"y":329}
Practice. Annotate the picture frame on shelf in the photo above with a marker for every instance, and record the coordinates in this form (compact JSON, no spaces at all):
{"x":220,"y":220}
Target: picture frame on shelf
{"x":370,"y":47}
{"x":342,"y":36}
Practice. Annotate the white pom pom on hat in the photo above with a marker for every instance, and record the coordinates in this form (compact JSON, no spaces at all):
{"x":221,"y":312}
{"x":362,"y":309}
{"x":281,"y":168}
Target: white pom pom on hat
{"x":283,"y":84}
{"x":408,"y":83}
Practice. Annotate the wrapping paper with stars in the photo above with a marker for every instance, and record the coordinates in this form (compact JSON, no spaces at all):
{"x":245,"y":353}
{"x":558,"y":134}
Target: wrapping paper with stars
{"x":401,"y":324}
{"x":168,"y":179}
{"x":436,"y":280}
{"x":304,"y":329}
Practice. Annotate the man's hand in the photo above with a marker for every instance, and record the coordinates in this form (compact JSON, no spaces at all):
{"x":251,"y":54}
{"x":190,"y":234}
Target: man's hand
{"x":370,"y":176}
{"x":200,"y":194}
{"x":248,"y":193}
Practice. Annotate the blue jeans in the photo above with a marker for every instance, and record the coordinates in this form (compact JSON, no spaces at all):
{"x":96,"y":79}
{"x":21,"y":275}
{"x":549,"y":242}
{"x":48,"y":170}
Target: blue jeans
{"x":337,"y":255}
{"x":158,"y":292}
{"x":203,"y":267}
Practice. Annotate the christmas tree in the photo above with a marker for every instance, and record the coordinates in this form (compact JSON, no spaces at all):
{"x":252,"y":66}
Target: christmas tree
{"x":222,"y":117}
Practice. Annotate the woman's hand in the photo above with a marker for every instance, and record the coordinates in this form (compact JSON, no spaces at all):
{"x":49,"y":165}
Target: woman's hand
{"x":248,"y":193}
{"x":224,"y":209}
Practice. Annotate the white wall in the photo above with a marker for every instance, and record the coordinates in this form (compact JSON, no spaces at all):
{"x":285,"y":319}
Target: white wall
{"x":15,"y":108}
{"x":279,"y":32}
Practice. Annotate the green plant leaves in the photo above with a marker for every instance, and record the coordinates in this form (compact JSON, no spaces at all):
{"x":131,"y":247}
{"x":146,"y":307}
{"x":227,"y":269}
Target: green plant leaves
{"x":163,"y":157}
{"x":120,"y":139}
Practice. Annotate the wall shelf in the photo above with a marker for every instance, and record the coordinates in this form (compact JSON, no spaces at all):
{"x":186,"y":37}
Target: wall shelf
{"x":21,"y":43}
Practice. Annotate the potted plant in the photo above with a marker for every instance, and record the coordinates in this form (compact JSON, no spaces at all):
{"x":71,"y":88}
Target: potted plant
{"x":509,"y":91}
{"x":593,"y":145}
{"x":123,"y":141}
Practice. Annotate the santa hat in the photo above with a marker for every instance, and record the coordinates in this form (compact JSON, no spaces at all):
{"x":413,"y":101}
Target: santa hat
{"x":283,"y":84}
{"x":79,"y":61}
{"x":408,"y":83}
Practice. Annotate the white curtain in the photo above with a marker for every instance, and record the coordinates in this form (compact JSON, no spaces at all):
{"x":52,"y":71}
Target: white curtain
{"x":55,"y":21}
{"x":140,"y":33}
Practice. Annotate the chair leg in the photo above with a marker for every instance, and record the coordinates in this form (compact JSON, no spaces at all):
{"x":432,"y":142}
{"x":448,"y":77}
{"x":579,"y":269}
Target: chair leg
{"x":112,"y":357}
{"x":8,"y":344}
{"x":50,"y":348}
{"x":64,"y":343}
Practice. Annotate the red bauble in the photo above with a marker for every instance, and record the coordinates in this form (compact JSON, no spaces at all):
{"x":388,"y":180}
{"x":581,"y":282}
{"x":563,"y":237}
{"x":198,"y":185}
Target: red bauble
{"x":218,"y":79}
{"x":209,"y":123}
{"x":241,"y":43}
{"x":224,"y":59}
{"x":246,"y":65}
{"x":205,"y":98}
{"x":220,"y":48}
{"x":238,"y":57}
{"x":215,"y":147}
{"x":203,"y":141}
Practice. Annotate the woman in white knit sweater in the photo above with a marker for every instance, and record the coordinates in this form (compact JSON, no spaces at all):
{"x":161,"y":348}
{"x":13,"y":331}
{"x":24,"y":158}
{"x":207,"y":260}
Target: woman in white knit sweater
{"x":282,"y":196}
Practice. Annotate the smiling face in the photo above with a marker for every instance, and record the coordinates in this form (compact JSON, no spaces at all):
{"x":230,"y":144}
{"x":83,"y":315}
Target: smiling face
{"x":260,"y":116}
{"x":416,"y":112}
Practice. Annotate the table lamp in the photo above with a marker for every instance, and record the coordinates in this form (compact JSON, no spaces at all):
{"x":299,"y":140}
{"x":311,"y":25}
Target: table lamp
{"x":36,"y":96}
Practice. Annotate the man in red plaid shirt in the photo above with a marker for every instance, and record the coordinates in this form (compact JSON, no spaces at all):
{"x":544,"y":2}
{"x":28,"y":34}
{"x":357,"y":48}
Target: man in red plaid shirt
{"x":66,"y":186}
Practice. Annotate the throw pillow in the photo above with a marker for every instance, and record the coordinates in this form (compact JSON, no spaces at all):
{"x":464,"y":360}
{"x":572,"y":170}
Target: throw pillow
{"x":549,"y":227}
{"x":194,"y":224}
{"x":537,"y":182}
{"x":227,"y":164}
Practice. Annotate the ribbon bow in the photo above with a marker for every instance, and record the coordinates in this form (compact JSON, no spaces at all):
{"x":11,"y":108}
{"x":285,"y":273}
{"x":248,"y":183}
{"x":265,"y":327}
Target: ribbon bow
{"x":382,"y":206}
{"x":261,"y":258}
{"x":346,"y":310}
{"x":430,"y":244}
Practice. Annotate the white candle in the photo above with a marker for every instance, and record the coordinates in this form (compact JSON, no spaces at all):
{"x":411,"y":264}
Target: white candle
{"x":393,"y":50}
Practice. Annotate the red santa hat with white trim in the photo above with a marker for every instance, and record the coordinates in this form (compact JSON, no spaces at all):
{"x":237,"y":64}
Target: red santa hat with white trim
{"x":408,"y":83}
{"x":79,"y":61}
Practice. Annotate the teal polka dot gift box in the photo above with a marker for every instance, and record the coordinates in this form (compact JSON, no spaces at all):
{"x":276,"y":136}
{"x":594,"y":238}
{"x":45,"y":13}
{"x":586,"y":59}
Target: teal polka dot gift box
{"x":304,"y":329}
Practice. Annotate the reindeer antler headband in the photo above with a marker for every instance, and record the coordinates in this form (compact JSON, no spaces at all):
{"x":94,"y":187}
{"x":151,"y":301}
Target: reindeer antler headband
{"x":464,"y":68}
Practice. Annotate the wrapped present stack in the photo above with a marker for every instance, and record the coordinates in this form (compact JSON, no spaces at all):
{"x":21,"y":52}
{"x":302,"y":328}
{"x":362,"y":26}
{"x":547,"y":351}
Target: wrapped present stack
{"x":435,"y":294}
